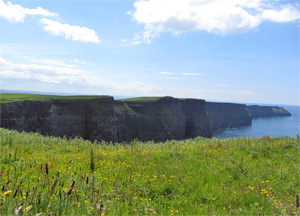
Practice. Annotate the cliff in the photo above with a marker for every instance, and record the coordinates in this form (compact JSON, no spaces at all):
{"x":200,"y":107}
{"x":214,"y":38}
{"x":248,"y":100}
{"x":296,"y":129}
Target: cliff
{"x":267,"y":111}
{"x":161,"y":118}
{"x":91,"y":119}
{"x":227,"y":115}
{"x":103,"y":118}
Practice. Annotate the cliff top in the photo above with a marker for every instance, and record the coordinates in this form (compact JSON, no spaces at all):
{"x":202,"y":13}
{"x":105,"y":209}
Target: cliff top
{"x":12,"y":97}
{"x":153,"y":99}
{"x":142,"y":99}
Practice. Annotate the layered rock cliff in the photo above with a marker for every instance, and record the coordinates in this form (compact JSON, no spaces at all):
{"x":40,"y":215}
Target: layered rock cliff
{"x":161,"y":118}
{"x":267,"y":111}
{"x":105,"y":119}
{"x":91,"y":119}
{"x":227,"y":115}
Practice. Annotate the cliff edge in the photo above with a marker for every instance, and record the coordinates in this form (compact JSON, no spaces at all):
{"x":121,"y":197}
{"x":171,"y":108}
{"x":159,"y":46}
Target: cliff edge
{"x":267,"y":111}
{"x":163,"y":118}
{"x":227,"y":115}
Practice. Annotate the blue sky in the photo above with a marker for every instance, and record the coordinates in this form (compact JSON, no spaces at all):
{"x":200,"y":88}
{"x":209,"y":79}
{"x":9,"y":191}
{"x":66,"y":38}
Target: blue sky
{"x":219,"y":50}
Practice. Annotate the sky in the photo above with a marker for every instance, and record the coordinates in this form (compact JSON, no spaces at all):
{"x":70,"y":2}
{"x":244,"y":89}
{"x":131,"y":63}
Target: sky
{"x":244,"y":51}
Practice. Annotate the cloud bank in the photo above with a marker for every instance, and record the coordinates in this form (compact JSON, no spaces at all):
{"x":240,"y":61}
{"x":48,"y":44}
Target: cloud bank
{"x":47,"y":71}
{"x":220,"y":17}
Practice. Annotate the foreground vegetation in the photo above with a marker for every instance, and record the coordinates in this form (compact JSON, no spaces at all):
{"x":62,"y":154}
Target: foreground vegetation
{"x":193,"y":177}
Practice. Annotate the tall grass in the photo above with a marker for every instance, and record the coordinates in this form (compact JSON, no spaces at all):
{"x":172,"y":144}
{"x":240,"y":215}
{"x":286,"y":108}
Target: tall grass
{"x":192,"y":177}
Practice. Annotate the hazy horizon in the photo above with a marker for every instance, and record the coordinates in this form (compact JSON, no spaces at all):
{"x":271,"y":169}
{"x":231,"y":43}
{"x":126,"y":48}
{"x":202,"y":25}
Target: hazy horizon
{"x":243,"y":51}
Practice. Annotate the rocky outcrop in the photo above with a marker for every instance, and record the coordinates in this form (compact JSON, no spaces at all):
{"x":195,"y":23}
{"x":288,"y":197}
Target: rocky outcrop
{"x":227,"y":115}
{"x":91,"y":119}
{"x":161,"y":118}
{"x":267,"y":111}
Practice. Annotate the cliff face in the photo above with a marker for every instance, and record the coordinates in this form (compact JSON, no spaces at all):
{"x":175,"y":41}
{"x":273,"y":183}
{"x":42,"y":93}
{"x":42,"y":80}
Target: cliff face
{"x":165,"y":118}
{"x":267,"y":111}
{"x":156,"y":119}
{"x":227,"y":115}
{"x":109,"y":120}
{"x":90,"y":119}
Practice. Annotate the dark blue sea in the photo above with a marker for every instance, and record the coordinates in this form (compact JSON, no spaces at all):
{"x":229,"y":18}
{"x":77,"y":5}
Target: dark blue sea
{"x":273,"y":126}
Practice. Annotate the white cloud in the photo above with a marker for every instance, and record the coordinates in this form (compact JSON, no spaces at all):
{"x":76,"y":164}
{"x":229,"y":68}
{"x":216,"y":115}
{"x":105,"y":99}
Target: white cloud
{"x":55,"y":78}
{"x":51,"y":62}
{"x":220,"y":17}
{"x":192,"y":74}
{"x":285,"y":14}
{"x":71,"y":32}
{"x":64,"y":75}
{"x":16,"y":13}
{"x":166,"y":73}
{"x":77,"y":61}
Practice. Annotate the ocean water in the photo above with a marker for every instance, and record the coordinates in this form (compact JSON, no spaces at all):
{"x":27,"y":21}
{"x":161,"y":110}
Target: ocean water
{"x":273,"y":126}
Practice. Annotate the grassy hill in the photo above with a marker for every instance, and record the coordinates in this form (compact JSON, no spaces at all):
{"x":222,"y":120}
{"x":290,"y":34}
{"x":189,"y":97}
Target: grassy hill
{"x":192,"y":177}
{"x":14,"y":97}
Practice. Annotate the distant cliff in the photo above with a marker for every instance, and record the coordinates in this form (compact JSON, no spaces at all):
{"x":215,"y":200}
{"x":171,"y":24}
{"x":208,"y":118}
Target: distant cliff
{"x":267,"y":111}
{"x":161,"y":118}
{"x":227,"y":115}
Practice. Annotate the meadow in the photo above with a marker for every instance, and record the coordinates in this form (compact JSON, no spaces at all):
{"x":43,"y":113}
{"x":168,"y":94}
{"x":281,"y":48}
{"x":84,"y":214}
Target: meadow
{"x":15,"y":97}
{"x":62,"y":176}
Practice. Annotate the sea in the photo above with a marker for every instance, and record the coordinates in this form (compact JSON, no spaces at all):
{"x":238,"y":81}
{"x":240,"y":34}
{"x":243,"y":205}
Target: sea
{"x":272,"y":126}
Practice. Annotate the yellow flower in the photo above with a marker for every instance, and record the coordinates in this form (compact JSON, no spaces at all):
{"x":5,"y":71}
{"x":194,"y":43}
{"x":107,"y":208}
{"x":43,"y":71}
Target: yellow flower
{"x":27,"y":208}
{"x":6,"y":193}
{"x":85,"y":201}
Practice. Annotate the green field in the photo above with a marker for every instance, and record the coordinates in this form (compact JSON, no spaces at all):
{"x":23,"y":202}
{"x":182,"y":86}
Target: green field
{"x":12,"y":97}
{"x":193,"y":177}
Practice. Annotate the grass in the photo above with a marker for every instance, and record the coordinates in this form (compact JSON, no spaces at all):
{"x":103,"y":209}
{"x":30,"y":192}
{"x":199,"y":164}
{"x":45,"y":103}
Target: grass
{"x":12,"y":97}
{"x":192,"y":177}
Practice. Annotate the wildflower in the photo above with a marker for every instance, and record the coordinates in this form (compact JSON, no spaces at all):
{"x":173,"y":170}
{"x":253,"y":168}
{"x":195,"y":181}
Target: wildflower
{"x":6,"y":193}
{"x":27,"y":208}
